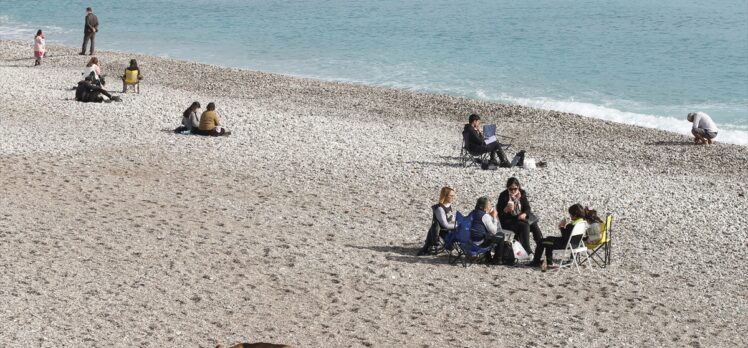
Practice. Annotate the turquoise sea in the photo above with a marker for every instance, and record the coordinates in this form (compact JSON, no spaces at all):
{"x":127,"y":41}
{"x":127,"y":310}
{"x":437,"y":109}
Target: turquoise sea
{"x":636,"y":61}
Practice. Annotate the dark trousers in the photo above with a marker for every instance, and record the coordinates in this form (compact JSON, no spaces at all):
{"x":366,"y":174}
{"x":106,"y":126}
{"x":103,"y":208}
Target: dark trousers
{"x":548,"y":244}
{"x":213,"y":132}
{"x":496,"y":151}
{"x":432,"y":239}
{"x":95,"y":97}
{"x":522,"y":232}
{"x":88,"y":36}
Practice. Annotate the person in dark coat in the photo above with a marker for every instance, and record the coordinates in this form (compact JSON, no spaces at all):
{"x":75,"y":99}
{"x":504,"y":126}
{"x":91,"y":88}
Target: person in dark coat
{"x":474,"y":142}
{"x":91,"y":27}
{"x":515,"y":214}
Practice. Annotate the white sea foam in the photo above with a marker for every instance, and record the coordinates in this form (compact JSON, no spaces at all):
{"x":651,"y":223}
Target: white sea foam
{"x":727,"y":133}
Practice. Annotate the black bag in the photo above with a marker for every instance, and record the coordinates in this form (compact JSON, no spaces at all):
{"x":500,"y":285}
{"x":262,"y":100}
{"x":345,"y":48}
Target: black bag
{"x":505,"y":253}
{"x":531,"y":218}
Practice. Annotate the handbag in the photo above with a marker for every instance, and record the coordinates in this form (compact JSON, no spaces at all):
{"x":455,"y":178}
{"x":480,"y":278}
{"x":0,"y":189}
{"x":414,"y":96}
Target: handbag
{"x":531,"y":218}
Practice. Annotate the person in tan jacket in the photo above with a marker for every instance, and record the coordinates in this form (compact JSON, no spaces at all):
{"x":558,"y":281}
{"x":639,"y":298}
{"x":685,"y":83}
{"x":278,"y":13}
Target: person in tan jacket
{"x":210,"y":123}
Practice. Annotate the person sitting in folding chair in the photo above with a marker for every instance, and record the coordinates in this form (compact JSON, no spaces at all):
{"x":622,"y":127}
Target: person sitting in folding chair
{"x":476,"y":143}
{"x":578,"y":214}
{"x":442,"y":221}
{"x":485,"y":228}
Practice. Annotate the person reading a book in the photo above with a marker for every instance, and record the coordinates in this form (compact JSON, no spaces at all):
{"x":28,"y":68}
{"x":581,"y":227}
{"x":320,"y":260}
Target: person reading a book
{"x":476,"y":143}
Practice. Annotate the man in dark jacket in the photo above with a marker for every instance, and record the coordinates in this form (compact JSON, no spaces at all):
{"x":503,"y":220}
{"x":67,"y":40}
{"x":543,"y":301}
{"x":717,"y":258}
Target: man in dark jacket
{"x":88,"y":92}
{"x":89,"y":30}
{"x":475,"y":143}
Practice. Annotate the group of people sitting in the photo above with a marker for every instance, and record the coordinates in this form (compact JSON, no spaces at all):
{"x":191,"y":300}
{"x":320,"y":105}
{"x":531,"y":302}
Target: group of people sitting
{"x":208,"y":123}
{"x":91,"y":88}
{"x":512,"y":212}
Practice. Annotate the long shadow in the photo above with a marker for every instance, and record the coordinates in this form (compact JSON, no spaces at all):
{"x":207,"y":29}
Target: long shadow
{"x":670,"y":143}
{"x":403,"y":254}
{"x":436,"y":164}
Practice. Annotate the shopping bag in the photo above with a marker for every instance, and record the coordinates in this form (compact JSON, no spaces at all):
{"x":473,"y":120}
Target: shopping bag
{"x":519,"y":251}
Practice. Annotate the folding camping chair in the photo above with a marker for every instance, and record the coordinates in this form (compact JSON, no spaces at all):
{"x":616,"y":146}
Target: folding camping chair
{"x":574,"y":250}
{"x":489,"y":136}
{"x":468,"y":158}
{"x":603,"y":245}
{"x":459,"y":245}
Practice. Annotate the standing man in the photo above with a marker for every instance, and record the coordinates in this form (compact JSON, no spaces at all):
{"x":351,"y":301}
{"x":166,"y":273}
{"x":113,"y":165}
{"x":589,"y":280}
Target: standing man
{"x":704,"y":129}
{"x":89,"y":31}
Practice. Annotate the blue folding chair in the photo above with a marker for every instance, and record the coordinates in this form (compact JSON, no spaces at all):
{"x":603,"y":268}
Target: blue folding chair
{"x":459,"y":245}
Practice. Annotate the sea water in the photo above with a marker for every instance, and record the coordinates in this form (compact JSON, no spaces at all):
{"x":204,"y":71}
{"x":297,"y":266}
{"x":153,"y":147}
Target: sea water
{"x":635,"y":61}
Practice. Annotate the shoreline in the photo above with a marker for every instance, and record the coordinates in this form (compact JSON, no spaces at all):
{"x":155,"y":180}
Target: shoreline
{"x":733,"y":132}
{"x":302,"y":226}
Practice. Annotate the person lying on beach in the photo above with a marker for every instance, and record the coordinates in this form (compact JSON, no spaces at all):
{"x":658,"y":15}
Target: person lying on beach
{"x":704,"y":129}
{"x":484,"y":228}
{"x":131,"y":70}
{"x":93,"y":67}
{"x":442,"y":220}
{"x":88,"y":92}
{"x":190,"y":120}
{"x":210,"y":123}
{"x":516,"y":215}
{"x":476,"y":143}
{"x":548,"y":244}
{"x":39,"y":47}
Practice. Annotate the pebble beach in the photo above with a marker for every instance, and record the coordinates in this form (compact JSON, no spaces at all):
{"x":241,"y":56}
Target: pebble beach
{"x":302,"y":227}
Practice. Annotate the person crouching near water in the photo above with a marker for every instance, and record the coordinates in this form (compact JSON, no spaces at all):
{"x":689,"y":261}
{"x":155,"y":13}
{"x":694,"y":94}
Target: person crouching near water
{"x":442,"y":220}
{"x":704,"y":129}
{"x":578,"y":214}
{"x":89,"y":92}
{"x":39,"y":47}
{"x":210,"y":124}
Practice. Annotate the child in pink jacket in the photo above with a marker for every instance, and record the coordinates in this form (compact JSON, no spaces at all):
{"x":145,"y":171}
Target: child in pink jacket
{"x":38,"y":47}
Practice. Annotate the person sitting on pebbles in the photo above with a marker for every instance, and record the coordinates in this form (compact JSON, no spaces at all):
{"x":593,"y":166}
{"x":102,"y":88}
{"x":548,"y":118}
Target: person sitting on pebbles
{"x":210,"y":124}
{"x":190,"y":119}
{"x":473,"y":134}
{"x":88,"y":92}
{"x":704,"y":129}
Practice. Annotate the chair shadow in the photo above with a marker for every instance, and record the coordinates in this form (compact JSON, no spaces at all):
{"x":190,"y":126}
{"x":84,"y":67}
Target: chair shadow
{"x":403,"y":254}
{"x":669,"y":143}
{"x":436,"y":164}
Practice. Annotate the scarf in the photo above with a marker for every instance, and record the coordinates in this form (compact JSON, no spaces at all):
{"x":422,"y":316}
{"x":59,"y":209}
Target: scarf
{"x":515,"y":198}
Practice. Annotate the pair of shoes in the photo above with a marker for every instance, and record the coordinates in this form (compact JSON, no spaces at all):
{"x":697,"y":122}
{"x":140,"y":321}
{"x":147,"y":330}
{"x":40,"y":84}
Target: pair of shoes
{"x":422,"y":252}
{"x":116,"y":98}
{"x":81,"y":53}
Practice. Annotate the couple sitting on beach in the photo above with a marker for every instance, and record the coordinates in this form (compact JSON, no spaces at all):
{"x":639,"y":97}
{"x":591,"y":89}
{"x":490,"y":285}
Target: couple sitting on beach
{"x":207,"y":124}
{"x":512,"y":212}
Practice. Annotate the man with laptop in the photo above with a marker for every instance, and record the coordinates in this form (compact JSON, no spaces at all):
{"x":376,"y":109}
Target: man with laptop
{"x":480,"y":140}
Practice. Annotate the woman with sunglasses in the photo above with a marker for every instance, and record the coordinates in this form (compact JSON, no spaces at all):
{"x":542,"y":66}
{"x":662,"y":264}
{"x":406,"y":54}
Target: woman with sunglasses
{"x":516,"y":215}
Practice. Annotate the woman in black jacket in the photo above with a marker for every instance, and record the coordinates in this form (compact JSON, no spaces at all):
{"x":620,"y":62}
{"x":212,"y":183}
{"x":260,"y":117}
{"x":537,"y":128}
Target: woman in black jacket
{"x":516,"y":215}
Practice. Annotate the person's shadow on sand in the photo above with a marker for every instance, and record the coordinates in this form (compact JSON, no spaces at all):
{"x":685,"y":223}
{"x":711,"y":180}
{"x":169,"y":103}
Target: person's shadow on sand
{"x":402,"y":254}
{"x":669,"y":143}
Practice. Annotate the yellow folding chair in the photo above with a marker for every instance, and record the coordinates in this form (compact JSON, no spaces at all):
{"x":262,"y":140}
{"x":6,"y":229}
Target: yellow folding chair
{"x":599,"y":251}
{"x":131,"y":79}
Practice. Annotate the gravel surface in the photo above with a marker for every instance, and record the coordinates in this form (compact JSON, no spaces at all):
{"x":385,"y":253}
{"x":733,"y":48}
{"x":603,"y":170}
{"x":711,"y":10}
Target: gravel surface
{"x":302,"y":226}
